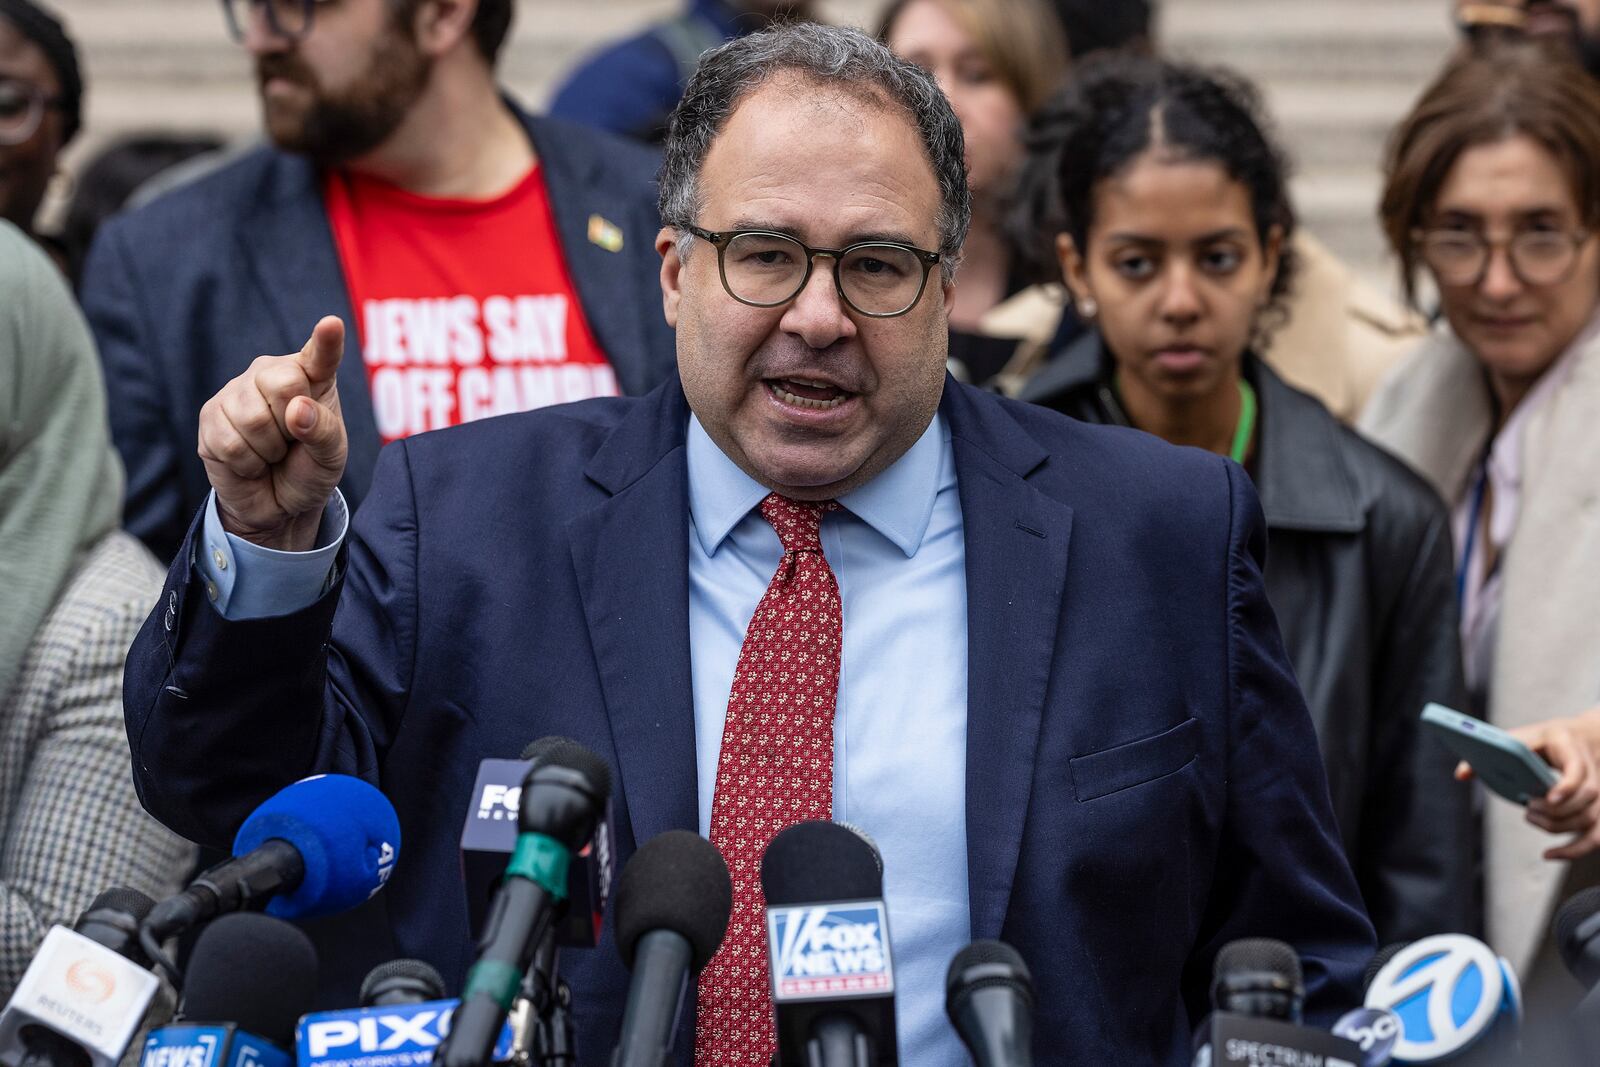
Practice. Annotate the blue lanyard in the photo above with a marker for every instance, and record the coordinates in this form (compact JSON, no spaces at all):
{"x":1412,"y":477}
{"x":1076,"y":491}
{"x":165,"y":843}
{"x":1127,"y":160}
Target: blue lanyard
{"x":1474,"y":516}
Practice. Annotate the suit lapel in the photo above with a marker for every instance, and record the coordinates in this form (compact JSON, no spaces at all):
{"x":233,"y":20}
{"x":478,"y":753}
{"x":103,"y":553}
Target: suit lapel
{"x":631,"y":558}
{"x":289,"y":248}
{"x":1016,"y":546}
{"x":588,"y":215}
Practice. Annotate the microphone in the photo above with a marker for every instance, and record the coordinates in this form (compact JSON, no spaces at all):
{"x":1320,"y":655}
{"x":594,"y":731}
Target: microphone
{"x":401,"y":982}
{"x":1455,"y":999}
{"x":828,"y":948}
{"x":249,"y":978}
{"x":317,"y":847}
{"x":1258,"y":993}
{"x":1578,"y":936}
{"x":988,"y":994}
{"x":1258,"y":977}
{"x":673,"y":904}
{"x":403,"y":1019}
{"x":85,"y":993}
{"x":489,"y":836}
{"x":563,"y":799}
{"x":1577,"y":929}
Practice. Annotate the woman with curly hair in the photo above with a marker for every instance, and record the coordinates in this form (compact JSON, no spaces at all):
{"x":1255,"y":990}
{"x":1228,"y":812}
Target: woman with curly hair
{"x":1174,"y":247}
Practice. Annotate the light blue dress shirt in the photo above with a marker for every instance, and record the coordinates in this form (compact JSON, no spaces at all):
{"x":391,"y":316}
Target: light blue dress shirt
{"x":900,"y":730}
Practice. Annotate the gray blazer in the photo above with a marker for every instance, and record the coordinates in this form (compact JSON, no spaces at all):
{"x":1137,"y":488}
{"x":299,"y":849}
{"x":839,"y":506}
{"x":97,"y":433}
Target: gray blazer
{"x":72,"y":824}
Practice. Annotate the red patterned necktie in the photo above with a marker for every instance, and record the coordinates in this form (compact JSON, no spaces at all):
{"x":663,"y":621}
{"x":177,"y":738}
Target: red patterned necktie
{"x":775,"y":769}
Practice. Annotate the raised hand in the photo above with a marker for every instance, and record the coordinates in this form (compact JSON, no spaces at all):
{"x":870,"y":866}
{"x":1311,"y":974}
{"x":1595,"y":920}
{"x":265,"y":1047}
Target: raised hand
{"x":273,"y":442}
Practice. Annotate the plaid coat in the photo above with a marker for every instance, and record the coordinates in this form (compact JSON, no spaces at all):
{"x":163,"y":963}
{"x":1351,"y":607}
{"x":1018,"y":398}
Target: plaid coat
{"x":72,"y":825}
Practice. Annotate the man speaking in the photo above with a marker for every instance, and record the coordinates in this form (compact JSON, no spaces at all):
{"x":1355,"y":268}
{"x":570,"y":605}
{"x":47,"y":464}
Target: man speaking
{"x":1032,"y":658}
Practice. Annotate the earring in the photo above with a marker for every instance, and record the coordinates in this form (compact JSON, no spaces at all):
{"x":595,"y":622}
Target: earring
{"x":1087,"y":308}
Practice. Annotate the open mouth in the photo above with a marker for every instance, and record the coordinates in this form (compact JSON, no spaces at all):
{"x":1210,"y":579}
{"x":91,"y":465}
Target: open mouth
{"x":802,"y":393}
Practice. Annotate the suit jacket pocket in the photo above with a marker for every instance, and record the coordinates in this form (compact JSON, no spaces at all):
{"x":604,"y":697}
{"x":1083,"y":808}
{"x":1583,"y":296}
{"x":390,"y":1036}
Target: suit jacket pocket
{"x":1112,"y":770}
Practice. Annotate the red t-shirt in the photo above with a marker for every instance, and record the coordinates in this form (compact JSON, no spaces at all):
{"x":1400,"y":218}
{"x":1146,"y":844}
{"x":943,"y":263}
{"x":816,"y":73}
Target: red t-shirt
{"x":465,"y":308}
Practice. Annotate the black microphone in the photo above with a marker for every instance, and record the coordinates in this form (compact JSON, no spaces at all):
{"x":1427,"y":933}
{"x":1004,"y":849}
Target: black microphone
{"x":988,"y":994}
{"x":1259,"y":993}
{"x":1578,"y":936}
{"x":401,"y":982}
{"x":828,"y":938}
{"x":98,"y":962}
{"x":673,"y":904}
{"x":489,"y":836}
{"x":1259,"y":977}
{"x":113,"y":921}
{"x":1577,"y":928}
{"x":563,"y":799}
{"x":250,"y":979}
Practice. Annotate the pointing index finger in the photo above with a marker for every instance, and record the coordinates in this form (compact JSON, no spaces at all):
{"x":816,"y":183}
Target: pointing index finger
{"x":321,"y":355}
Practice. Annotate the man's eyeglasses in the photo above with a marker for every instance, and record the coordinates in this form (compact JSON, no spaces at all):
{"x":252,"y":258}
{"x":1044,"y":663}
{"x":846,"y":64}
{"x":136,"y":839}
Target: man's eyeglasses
{"x":22,"y":108}
{"x":880,"y":279}
{"x":285,"y":18}
{"x":1538,"y":257}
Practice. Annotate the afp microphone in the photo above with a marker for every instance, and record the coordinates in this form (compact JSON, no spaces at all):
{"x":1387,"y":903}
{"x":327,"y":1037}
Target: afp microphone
{"x":1258,"y":993}
{"x":1456,"y":1001}
{"x":828,"y":949}
{"x":86,"y":992}
{"x":490,"y":836}
{"x":563,"y":799}
{"x":249,"y":979}
{"x":320,"y":846}
{"x":988,"y":995}
{"x":673,"y":905}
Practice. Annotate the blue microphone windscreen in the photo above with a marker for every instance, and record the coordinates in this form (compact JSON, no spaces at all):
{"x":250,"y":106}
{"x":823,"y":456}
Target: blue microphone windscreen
{"x":346,"y":832}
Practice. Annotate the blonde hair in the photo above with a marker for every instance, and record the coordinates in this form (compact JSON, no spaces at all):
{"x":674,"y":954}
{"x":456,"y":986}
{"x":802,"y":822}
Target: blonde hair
{"x":1022,"y":39}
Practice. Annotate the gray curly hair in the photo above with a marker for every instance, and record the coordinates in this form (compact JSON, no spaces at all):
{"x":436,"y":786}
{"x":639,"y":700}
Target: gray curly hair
{"x":829,"y":55}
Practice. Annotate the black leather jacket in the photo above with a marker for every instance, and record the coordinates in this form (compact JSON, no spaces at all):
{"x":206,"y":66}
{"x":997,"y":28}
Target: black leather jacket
{"x":1359,"y":572}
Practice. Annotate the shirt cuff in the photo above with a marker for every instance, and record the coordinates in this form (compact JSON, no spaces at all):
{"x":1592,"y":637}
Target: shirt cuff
{"x":245,"y":581}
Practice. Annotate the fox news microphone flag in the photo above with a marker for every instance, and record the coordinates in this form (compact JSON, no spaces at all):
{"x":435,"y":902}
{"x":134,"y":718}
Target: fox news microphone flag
{"x":490,"y":836}
{"x":828,"y":947}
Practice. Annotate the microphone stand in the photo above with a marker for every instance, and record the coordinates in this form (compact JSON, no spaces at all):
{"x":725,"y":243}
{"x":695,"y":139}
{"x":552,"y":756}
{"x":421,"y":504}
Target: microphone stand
{"x":553,"y":1043}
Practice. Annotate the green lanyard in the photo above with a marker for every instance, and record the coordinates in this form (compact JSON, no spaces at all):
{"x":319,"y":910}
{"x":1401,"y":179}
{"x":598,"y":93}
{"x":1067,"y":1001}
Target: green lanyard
{"x":1247,"y":423}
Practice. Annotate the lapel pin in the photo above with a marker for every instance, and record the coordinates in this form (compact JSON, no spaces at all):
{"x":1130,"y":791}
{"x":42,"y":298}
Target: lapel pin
{"x":605,"y":233}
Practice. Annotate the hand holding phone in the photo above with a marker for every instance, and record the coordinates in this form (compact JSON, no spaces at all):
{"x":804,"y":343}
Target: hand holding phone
{"x":1506,"y":765}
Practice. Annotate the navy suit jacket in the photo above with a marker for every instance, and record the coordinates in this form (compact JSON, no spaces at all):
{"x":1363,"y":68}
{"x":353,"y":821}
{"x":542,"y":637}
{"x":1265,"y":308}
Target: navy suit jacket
{"x":1143,"y":783}
{"x":185,"y":292}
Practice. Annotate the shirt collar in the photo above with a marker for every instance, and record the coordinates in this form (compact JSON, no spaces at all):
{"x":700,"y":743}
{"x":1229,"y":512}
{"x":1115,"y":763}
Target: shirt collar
{"x":898,"y":503}
{"x":1505,"y":454}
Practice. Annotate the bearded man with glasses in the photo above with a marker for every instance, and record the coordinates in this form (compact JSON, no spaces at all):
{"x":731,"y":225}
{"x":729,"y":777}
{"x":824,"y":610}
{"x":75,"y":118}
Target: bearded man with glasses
{"x":488,"y":261}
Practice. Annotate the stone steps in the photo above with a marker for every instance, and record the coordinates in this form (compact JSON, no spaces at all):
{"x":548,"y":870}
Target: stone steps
{"x":1336,"y":74}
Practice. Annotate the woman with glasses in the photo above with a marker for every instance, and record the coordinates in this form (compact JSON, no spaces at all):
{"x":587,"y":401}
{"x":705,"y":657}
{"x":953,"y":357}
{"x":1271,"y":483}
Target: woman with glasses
{"x":1175,"y":251}
{"x":1493,"y":191}
{"x":41,"y":93}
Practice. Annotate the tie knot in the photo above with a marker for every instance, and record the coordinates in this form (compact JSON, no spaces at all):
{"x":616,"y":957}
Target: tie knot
{"x":798,"y":522}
